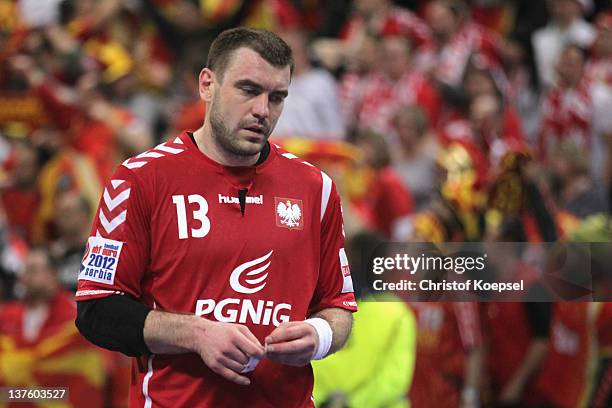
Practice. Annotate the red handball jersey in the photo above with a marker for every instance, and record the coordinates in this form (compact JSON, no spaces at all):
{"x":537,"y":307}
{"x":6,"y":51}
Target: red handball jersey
{"x":169,"y":231}
{"x":567,"y":373}
{"x":446,"y":332}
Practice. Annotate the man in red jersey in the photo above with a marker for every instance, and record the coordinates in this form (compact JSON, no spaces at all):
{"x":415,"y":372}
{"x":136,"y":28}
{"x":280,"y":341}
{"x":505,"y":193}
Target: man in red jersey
{"x":216,"y":258}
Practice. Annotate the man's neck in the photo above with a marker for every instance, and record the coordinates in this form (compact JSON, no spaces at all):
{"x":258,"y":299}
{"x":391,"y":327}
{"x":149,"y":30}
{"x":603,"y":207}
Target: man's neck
{"x":207,"y":145}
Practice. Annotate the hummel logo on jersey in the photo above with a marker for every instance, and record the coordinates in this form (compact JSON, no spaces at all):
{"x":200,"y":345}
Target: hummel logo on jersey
{"x":289,"y":213}
{"x":234,"y":200}
{"x":113,"y":208}
{"x":257,"y":276}
{"x":237,"y":310}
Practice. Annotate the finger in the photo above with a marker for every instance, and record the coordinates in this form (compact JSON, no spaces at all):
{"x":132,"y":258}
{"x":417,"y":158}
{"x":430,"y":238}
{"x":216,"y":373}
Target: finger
{"x":232,"y":364}
{"x":289,"y":333}
{"x":258,"y":351}
{"x":237,"y":355}
{"x":245,"y":330}
{"x":301,"y":345}
{"x":231,"y":375}
{"x":246,"y":346}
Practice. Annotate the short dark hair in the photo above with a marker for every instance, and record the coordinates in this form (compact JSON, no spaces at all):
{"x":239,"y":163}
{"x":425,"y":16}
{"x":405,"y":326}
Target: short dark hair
{"x":267,"y":44}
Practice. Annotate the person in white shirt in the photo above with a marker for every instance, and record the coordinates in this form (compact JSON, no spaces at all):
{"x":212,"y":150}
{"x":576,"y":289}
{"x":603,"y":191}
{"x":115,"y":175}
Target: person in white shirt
{"x":313,"y":109}
{"x":566,"y":26}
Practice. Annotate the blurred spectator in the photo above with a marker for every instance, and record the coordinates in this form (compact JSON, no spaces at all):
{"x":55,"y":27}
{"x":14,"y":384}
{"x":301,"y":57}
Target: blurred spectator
{"x":374,"y":18}
{"x":575,"y":189}
{"x":567,"y":110}
{"x":13,"y":250}
{"x":485,"y":117}
{"x":457,"y":40}
{"x":73,"y":220}
{"x":455,"y":211}
{"x":449,"y":355}
{"x":517,"y":333}
{"x":41,"y":346}
{"x":495,"y":127}
{"x":599,"y":70}
{"x":515,"y":193}
{"x":358,"y":69}
{"x":89,"y":121}
{"x":380,"y":353}
{"x":376,"y":190}
{"x":382,"y":17}
{"x":566,"y":374}
{"x":519,"y":91}
{"x":65,"y":170}
{"x":566,"y":26}
{"x":415,"y":161}
{"x":395,"y":84}
{"x":311,"y":109}
{"x":20,"y":197}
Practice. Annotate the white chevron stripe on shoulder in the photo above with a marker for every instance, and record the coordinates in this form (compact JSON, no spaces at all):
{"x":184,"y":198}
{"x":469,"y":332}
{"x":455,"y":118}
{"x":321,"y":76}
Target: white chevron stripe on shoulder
{"x":110,"y":226}
{"x":289,"y":155}
{"x":178,"y":141}
{"x":133,"y":165}
{"x":112,"y":203}
{"x":150,"y":154}
{"x":165,"y":148}
{"x":325,"y":193}
{"x":161,"y":150}
{"x":117,"y":183}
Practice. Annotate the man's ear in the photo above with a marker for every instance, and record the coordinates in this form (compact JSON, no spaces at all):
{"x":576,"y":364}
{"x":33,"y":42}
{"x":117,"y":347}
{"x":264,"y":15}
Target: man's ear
{"x":206,"y":84}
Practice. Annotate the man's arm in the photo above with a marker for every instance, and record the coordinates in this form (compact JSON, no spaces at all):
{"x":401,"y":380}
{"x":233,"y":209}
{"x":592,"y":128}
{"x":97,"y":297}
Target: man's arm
{"x":539,"y":316}
{"x":295,"y":343}
{"x":225,"y":348}
{"x":341,"y":322}
{"x":122,"y":324}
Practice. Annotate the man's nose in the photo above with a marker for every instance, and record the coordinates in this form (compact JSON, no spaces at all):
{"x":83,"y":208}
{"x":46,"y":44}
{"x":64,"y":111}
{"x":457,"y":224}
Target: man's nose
{"x":260,"y":106}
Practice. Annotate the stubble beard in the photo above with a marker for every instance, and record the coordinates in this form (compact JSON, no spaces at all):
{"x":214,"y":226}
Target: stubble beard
{"x":230,"y":141}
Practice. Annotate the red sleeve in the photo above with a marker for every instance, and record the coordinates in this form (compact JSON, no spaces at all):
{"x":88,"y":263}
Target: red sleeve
{"x":334,"y":287}
{"x":468,"y":322}
{"x":117,"y":252}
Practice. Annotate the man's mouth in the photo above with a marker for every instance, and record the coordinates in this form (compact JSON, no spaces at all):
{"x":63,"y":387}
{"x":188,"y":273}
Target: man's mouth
{"x":257,"y":129}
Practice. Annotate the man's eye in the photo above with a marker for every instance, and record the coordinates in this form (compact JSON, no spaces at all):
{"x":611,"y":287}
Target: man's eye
{"x":250,"y":91}
{"x":276,"y":99}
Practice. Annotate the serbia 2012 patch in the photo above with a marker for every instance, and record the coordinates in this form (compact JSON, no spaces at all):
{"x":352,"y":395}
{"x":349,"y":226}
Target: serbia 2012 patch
{"x":100,"y":260}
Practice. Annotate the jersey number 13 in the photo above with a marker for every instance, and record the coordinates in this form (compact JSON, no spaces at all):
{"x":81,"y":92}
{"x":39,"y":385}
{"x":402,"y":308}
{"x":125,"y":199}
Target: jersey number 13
{"x":199,"y":214}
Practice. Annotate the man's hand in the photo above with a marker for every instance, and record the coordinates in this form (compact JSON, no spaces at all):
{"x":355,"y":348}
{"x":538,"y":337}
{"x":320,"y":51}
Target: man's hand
{"x":224,"y":347}
{"x":295,"y":343}
{"x":292,"y":343}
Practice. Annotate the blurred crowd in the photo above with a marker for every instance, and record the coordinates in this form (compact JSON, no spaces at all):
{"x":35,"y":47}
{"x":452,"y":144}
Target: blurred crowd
{"x":442,"y":120}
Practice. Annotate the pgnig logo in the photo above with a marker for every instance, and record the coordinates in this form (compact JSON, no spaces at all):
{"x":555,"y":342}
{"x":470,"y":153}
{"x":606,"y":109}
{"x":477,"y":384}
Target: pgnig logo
{"x":247,"y":278}
{"x":264,"y":312}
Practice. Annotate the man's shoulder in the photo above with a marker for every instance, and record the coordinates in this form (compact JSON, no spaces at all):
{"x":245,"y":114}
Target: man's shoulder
{"x":307,"y":172}
{"x":164,"y":153}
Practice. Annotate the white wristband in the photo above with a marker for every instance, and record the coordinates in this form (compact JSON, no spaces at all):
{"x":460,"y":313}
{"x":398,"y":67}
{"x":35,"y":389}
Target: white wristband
{"x":325,"y":335}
